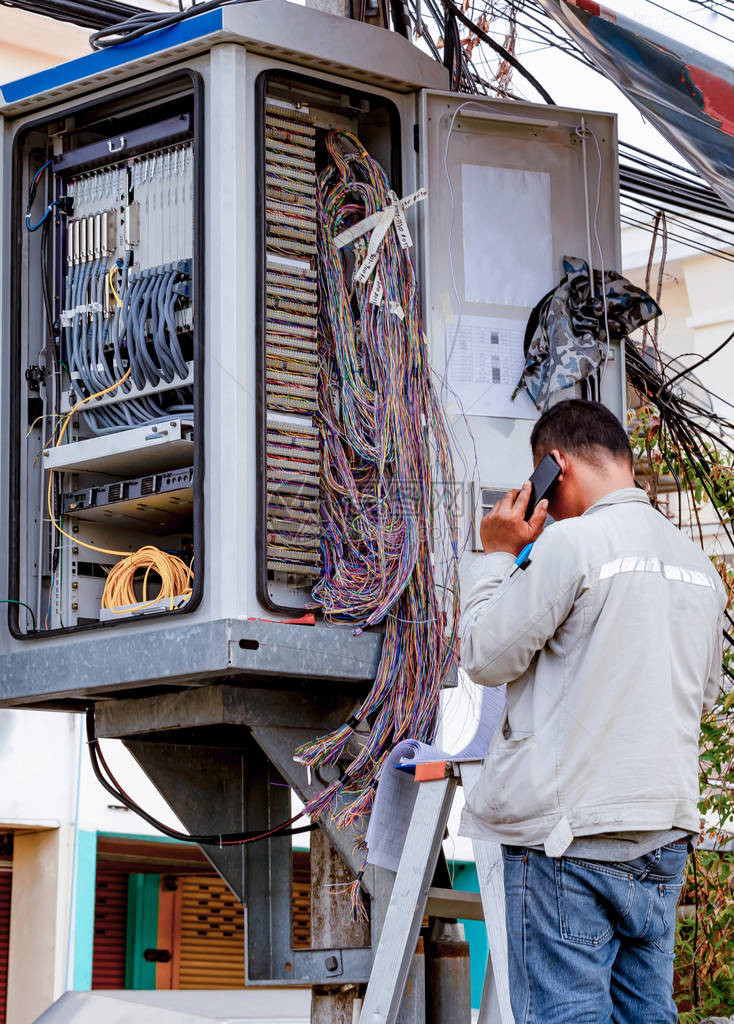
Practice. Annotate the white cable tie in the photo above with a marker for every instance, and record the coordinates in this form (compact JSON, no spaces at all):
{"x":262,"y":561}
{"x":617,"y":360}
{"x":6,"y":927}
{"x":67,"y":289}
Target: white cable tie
{"x":368,"y":223}
{"x":397,"y":309}
{"x":94,"y":307}
{"x":363,"y":271}
{"x":393,"y":213}
{"x":377,"y":294}
{"x":67,"y":316}
{"x":373,"y":249}
{"x":357,"y":230}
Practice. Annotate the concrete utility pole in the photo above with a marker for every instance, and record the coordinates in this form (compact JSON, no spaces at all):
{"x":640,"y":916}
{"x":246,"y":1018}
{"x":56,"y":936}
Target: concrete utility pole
{"x":350,"y":9}
{"x":339,"y":7}
{"x":332,"y":928}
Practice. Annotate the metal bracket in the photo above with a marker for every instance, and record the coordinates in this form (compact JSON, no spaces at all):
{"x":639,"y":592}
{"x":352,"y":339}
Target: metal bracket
{"x":35,"y":375}
{"x":320,"y":967}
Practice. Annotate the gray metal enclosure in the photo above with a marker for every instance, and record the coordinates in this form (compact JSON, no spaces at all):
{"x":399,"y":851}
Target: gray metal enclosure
{"x":214,"y":695}
{"x":219,"y":77}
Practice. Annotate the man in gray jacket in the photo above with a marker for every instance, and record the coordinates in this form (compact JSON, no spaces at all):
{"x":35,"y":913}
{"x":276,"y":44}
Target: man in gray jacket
{"x":609,"y":641}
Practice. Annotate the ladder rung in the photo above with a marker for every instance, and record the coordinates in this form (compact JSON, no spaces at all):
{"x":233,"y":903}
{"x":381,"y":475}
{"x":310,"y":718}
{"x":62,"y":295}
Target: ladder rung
{"x":452,"y":904}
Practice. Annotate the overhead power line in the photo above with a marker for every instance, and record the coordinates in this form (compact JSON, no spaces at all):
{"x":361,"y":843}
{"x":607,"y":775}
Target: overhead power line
{"x":96,"y":15}
{"x":668,"y":190}
{"x":142,"y":22}
{"x":499,"y":49}
{"x":691,"y":21}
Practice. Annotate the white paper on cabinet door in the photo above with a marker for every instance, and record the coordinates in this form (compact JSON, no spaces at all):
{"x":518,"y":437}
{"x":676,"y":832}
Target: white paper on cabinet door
{"x":508,"y":241}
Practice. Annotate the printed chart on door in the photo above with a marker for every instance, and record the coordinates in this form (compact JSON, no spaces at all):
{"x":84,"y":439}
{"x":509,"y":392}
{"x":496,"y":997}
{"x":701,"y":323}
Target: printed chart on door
{"x":484,"y":362}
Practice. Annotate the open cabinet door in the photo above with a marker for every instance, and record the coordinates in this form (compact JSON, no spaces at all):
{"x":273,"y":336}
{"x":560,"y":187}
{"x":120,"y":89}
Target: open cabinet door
{"x":508,"y":198}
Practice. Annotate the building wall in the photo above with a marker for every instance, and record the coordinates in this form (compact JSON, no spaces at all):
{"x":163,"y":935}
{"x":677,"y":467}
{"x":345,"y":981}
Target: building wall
{"x":39,"y":915}
{"x":697,"y":301}
{"x":46,"y":773}
{"x":30,"y":43}
{"x":710,"y":286}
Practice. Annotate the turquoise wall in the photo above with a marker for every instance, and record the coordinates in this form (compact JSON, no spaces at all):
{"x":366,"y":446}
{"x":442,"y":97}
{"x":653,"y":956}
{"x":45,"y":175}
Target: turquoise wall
{"x":86,"y":874}
{"x":146,"y":904}
{"x":465,"y":879}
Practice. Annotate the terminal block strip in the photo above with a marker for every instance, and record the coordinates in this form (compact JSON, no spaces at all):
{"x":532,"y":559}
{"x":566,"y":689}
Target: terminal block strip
{"x":291,"y":353}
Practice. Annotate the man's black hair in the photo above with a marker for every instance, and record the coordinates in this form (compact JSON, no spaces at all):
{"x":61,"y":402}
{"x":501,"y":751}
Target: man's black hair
{"x":587,"y":429}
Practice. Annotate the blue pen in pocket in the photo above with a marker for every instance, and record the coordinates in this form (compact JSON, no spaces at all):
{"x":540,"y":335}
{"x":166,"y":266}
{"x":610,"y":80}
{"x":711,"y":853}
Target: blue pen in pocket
{"x":523,"y":559}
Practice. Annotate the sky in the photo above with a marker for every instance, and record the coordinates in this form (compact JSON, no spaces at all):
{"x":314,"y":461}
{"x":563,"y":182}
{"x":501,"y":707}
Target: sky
{"x":572,"y":84}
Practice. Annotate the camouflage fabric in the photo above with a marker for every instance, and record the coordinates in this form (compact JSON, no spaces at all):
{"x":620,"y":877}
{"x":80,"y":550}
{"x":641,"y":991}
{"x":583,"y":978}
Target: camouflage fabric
{"x":565,"y":340}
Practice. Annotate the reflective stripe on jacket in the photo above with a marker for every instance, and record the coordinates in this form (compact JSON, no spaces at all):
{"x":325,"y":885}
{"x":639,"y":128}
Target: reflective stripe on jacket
{"x":610,"y":645}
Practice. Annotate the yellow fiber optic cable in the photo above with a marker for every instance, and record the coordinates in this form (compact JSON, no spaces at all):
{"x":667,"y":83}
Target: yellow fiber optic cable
{"x":174,"y":573}
{"x":119,"y":591}
{"x":113,"y":270}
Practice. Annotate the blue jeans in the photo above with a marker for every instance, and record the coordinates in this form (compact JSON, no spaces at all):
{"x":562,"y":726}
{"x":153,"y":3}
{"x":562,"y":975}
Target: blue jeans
{"x":592,"y":942}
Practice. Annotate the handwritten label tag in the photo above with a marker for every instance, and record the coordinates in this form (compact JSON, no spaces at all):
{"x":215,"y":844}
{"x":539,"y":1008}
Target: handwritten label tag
{"x":401,"y":226}
{"x":377,"y":294}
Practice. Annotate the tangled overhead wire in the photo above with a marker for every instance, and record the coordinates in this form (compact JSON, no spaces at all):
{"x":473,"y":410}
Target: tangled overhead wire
{"x":89,"y":13}
{"x":502,"y":51}
{"x":387,"y":498}
{"x":689,"y":436}
{"x":438,"y":23}
{"x":143,"y":22}
{"x":688,"y":431}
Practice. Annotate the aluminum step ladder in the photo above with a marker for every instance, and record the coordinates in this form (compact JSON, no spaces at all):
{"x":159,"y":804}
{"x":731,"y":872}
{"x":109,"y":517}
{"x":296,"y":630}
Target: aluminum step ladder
{"x":412,"y":896}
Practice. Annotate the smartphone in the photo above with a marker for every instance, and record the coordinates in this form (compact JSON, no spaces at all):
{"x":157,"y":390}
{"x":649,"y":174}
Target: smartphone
{"x":542,"y":482}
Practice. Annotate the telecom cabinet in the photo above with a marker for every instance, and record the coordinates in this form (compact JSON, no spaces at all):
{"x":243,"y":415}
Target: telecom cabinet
{"x":160,"y":302}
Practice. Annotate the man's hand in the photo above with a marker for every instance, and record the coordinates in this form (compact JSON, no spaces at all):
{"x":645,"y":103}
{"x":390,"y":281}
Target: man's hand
{"x":505,"y":529}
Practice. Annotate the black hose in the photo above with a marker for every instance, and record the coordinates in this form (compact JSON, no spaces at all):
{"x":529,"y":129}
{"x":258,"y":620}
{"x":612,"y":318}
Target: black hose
{"x":213,"y":839}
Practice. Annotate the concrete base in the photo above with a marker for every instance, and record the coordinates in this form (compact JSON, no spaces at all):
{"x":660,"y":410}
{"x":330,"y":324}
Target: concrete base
{"x":240,"y":1007}
{"x":39,"y":918}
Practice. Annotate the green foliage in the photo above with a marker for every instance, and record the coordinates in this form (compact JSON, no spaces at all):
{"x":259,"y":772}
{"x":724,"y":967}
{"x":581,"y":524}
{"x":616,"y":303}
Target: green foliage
{"x":709,"y":991}
{"x":704,"y":967}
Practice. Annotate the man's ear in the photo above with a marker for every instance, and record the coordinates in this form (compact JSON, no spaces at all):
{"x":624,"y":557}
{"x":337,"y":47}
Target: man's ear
{"x":562,"y":461}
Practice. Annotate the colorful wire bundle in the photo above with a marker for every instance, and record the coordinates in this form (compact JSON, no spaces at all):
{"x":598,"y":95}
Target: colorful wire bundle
{"x":388,"y":515}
